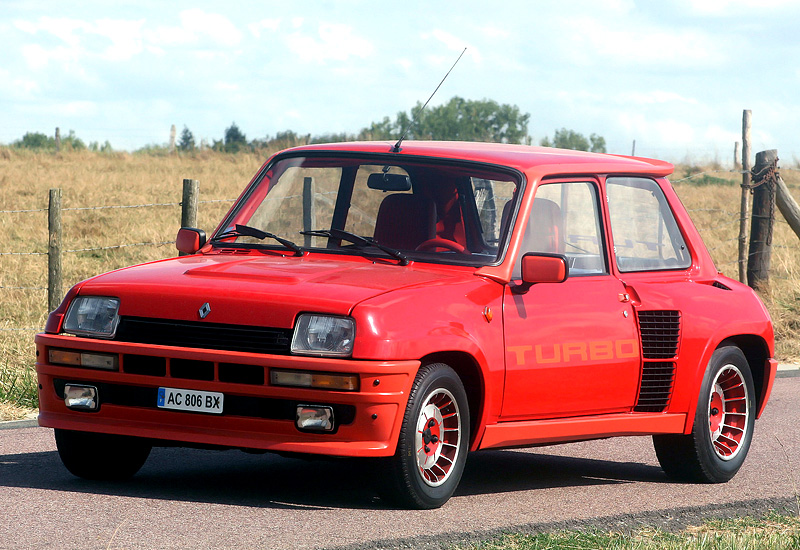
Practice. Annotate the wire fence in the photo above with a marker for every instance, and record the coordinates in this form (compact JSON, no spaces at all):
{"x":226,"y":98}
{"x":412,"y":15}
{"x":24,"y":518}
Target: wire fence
{"x":732,"y":222}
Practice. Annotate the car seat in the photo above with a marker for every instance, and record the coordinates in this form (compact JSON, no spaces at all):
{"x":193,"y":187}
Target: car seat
{"x":405,"y":221}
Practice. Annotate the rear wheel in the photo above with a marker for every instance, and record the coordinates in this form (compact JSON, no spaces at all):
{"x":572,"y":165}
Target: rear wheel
{"x":434,"y":441}
{"x":723,"y":424}
{"x":101,"y":456}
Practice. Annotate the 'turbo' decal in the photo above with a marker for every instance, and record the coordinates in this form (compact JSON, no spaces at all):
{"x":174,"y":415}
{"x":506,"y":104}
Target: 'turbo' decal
{"x":575,"y":352}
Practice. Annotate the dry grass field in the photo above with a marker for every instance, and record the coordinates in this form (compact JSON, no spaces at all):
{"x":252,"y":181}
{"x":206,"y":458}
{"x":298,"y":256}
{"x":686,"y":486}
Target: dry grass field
{"x":92,"y":182}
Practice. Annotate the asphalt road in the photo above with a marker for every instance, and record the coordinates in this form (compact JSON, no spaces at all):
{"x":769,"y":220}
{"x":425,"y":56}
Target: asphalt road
{"x":195,"y":499}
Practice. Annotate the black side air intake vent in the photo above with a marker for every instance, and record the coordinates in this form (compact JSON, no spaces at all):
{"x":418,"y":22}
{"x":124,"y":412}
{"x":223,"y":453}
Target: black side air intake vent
{"x":656,"y":388}
{"x":660,"y":331}
{"x":720,"y":285}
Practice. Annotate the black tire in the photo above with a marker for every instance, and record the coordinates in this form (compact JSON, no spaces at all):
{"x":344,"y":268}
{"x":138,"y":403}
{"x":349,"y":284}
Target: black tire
{"x":721,"y":435}
{"x":436,"y":419}
{"x":101,"y":456}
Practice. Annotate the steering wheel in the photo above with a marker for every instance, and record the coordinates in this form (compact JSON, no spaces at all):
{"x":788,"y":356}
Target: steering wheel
{"x":438,"y":242}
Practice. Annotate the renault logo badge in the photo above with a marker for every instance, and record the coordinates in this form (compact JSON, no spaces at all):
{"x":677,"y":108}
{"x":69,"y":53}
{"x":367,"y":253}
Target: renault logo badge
{"x":204,"y":310}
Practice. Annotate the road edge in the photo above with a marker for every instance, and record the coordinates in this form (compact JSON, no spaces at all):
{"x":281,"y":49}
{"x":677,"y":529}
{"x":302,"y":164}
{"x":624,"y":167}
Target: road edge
{"x":671,"y":520}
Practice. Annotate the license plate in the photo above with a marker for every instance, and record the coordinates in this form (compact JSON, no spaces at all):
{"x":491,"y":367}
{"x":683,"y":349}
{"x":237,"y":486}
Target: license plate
{"x":190,"y":400}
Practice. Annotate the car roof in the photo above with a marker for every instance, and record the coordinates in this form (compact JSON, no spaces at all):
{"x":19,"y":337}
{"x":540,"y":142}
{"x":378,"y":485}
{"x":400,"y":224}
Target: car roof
{"x":543,"y":160}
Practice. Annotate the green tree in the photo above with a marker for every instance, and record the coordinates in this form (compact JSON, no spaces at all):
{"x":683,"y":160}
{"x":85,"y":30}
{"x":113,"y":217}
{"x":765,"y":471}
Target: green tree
{"x":104,"y":148}
{"x":235,"y":140}
{"x":383,"y":130}
{"x":458,"y":119}
{"x":35,"y":140}
{"x":72,"y":142}
{"x":187,"y":140}
{"x":570,"y":139}
{"x":598,"y":143}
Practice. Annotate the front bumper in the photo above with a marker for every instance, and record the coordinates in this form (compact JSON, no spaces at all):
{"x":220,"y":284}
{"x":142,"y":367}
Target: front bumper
{"x":256,"y":414}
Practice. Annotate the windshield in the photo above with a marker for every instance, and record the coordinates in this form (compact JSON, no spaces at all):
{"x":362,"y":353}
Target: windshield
{"x":390,"y":207}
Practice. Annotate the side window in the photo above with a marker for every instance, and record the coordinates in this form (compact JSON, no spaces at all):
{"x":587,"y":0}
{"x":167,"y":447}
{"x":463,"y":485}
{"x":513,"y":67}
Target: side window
{"x":565,"y":220}
{"x":492,"y":201}
{"x":646,"y":235}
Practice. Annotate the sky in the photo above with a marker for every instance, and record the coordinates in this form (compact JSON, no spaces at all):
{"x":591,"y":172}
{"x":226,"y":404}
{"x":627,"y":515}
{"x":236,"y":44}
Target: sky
{"x":673,"y":75}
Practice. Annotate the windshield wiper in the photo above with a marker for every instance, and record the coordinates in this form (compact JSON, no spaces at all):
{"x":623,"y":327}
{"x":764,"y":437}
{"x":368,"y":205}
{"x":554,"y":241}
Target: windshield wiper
{"x":247,"y":231}
{"x":359,"y":241}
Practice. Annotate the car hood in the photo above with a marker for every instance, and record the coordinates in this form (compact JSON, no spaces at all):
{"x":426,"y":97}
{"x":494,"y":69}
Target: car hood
{"x":256,"y":289}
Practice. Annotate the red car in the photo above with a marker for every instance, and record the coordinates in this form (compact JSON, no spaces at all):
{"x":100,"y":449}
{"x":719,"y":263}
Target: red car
{"x":412,"y":305}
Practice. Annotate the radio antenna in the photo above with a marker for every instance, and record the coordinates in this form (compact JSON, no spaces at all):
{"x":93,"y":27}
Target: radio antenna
{"x":396,"y":148}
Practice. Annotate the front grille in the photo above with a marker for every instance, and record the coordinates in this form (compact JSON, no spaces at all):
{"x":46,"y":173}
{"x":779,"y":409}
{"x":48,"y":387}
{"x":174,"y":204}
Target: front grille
{"x":656,"y":387}
{"x":188,"y":334}
{"x":660,"y":331}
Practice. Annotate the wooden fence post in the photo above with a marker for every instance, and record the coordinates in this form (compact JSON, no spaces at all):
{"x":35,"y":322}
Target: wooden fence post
{"x":758,"y":260}
{"x":737,"y":156}
{"x":746,"y":167}
{"x":788,"y":206}
{"x":58,"y":140}
{"x":54,"y":250}
{"x":191,"y":194}
{"x":309,"y":220}
{"x":172,"y":133}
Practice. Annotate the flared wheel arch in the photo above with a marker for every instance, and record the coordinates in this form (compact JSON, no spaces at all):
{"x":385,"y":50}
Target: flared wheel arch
{"x":472,"y":378}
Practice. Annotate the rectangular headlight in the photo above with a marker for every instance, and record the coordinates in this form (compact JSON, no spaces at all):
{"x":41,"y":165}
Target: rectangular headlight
{"x":323,"y":335}
{"x":94,"y":316}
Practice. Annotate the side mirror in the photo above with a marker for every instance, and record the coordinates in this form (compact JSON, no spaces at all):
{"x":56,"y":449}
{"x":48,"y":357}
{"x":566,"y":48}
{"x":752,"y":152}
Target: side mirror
{"x":190,"y":240}
{"x":541,"y":267}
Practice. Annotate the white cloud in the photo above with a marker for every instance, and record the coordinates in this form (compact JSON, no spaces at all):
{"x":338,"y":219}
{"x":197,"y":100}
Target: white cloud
{"x":195,"y":26}
{"x":78,"y":108}
{"x":453,"y":43}
{"x":125,"y":36}
{"x":728,"y":8}
{"x":716,"y":134}
{"x":125,"y":39}
{"x":335,"y":42}
{"x":263,"y":25}
{"x":590,"y":39}
{"x":654,"y":97}
{"x":217,"y":27}
{"x":62,"y":27}
{"x":38,"y":57}
{"x":226,"y":87}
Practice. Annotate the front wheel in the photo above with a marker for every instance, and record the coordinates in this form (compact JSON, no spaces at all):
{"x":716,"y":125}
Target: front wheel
{"x":101,"y":456}
{"x":434,"y":441}
{"x":723,"y":424}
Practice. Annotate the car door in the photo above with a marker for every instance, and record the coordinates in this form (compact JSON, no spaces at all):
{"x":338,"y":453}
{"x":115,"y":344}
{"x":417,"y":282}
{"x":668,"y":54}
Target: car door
{"x":572,"y":348}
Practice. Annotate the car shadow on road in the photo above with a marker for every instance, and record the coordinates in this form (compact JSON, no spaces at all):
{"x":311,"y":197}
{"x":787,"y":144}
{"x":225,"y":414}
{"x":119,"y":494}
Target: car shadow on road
{"x":509,"y":471}
{"x":271,"y":481}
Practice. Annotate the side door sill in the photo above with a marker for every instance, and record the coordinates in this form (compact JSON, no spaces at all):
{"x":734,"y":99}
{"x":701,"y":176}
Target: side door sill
{"x":534,"y":432}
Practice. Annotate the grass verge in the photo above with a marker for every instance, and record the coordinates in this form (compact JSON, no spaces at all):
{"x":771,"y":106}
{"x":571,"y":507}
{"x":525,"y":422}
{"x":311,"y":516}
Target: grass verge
{"x":773,"y":532}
